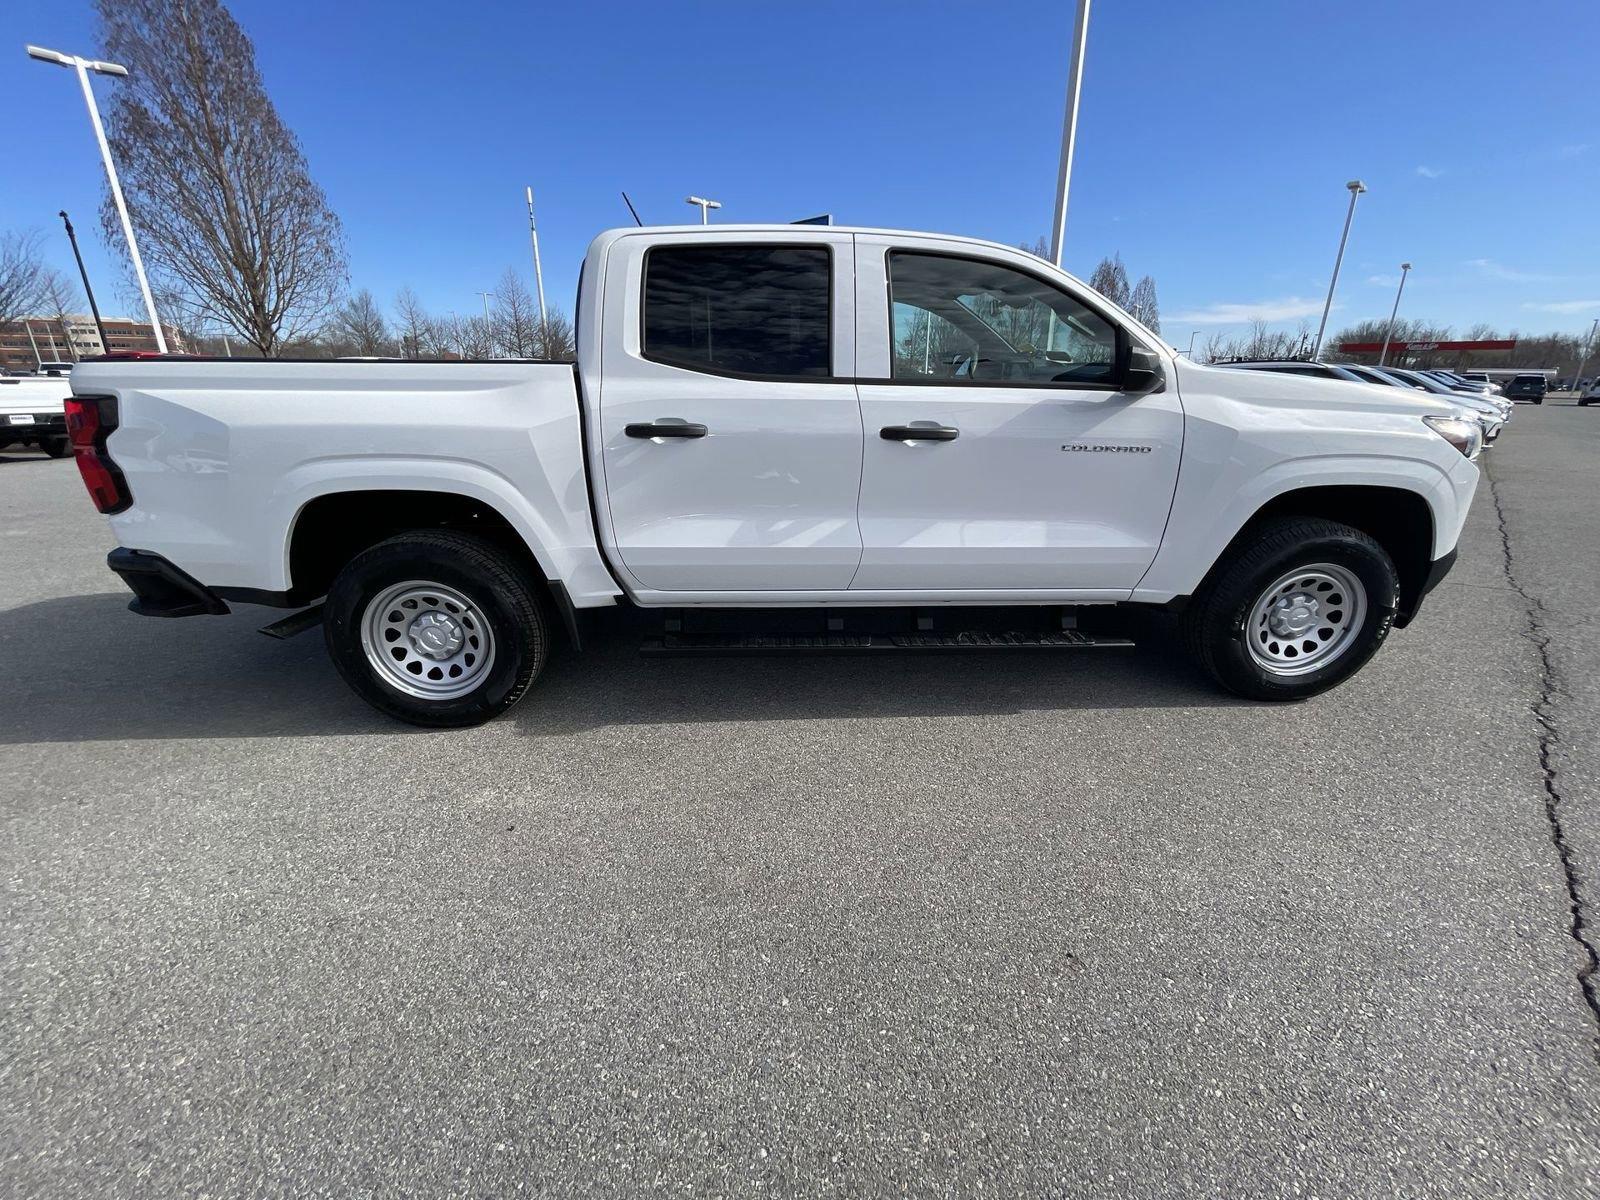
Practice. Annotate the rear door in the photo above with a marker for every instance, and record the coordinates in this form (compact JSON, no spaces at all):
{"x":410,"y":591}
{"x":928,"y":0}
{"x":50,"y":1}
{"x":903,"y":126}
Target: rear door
{"x":730,"y":430}
{"x":1035,"y":472}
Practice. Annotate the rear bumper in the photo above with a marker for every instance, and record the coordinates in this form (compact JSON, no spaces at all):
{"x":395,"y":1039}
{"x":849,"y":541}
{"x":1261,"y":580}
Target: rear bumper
{"x":43,"y":425}
{"x":161,"y":589}
{"x":1437,"y":570}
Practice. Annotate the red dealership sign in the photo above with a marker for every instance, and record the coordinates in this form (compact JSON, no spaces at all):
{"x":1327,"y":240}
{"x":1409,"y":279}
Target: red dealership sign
{"x":1377,"y":347}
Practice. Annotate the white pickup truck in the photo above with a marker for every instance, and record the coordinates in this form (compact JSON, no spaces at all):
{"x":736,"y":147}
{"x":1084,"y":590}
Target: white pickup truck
{"x":32,"y":412}
{"x":866,"y":440}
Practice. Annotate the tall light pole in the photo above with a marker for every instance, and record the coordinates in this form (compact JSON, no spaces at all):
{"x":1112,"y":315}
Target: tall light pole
{"x":83,"y":66}
{"x":1069,"y":132}
{"x":1356,"y":188}
{"x":1583,"y":362}
{"x":488,"y":324}
{"x":1192,"y":337}
{"x":705,"y":206}
{"x":538,"y":271}
{"x":1405,"y":269}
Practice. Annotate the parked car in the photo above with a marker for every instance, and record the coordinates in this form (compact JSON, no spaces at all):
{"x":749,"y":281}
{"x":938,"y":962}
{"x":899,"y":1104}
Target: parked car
{"x":1461,"y":383}
{"x":1487,"y":411}
{"x":1312,"y":370}
{"x":1590,"y":393}
{"x":1532,"y":388}
{"x":750,"y":431}
{"x":32,"y":413}
{"x":1496,"y":405}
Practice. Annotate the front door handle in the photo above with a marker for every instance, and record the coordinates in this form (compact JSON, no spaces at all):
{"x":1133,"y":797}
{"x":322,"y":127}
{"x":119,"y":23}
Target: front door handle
{"x":666,"y":427}
{"x":919,"y":433}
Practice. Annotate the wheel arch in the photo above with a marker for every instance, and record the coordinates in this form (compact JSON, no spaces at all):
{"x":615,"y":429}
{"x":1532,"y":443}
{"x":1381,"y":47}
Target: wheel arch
{"x":332,"y":527}
{"x":1397,"y":518}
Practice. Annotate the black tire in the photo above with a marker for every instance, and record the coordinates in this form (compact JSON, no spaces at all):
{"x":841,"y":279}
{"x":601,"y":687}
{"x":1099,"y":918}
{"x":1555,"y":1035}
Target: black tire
{"x":494,"y":583}
{"x":56,"y":447}
{"x":1214,"y":624}
{"x":1538,"y":399}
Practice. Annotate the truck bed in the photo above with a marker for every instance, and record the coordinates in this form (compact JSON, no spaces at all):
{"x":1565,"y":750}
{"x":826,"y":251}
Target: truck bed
{"x":221,"y":456}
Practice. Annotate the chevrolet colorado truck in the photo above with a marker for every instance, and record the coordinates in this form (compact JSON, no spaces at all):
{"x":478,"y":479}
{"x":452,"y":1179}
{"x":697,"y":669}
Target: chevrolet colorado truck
{"x":834,"y":438}
{"x":32,"y":413}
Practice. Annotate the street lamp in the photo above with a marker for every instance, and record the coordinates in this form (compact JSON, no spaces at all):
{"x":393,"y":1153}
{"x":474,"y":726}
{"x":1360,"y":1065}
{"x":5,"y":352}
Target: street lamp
{"x":1583,"y":362}
{"x":1356,"y":188}
{"x":705,"y":206}
{"x":1405,"y":269}
{"x":488,"y":336}
{"x":1069,"y":131}
{"x":1192,"y":337}
{"x":538,"y":271}
{"x":83,"y":66}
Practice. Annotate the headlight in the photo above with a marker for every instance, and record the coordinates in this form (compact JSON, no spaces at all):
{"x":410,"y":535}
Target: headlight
{"x":1465,"y":436}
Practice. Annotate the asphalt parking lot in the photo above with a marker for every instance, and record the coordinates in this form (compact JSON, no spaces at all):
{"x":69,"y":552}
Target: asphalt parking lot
{"x":1061,"y":925}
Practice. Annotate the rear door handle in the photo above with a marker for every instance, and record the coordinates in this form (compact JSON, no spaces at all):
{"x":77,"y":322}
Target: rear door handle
{"x":666,"y":427}
{"x":919,"y":433}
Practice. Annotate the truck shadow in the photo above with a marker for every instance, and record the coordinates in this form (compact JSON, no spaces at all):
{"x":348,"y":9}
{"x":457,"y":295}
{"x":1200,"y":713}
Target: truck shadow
{"x":83,"y":668}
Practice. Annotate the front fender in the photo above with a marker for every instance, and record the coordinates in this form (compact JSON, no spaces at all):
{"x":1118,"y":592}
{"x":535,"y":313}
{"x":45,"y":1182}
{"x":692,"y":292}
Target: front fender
{"x":1212,"y":507}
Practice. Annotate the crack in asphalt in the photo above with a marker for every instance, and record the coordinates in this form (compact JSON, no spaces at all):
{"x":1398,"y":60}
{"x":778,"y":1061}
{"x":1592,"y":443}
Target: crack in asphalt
{"x":1544,"y":713}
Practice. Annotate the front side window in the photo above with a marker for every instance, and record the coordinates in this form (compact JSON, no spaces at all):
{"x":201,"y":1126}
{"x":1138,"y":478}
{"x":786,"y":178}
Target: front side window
{"x":741,"y":310}
{"x":962,"y":320}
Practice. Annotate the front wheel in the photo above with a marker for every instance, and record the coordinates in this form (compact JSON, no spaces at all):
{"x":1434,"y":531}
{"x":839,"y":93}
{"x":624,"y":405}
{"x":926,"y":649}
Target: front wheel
{"x":436,"y":628}
{"x":1297,"y":609}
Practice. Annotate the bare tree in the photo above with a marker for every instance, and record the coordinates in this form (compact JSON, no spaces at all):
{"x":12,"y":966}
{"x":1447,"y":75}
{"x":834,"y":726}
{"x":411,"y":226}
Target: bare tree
{"x":23,"y":275}
{"x":516,"y":318}
{"x":411,"y":322}
{"x":219,"y":190}
{"x":1110,"y":279}
{"x":359,"y":324}
{"x":557,"y":339}
{"x":1143,"y":305}
{"x":57,"y":296}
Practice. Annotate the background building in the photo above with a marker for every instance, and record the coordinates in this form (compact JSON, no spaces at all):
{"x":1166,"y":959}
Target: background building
{"x":26,"y":342}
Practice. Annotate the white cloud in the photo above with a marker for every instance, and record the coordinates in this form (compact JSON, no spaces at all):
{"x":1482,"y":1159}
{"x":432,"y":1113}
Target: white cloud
{"x":1285,"y":309}
{"x":1573,"y":150}
{"x":1494,"y":270}
{"x":1387,"y":281}
{"x":1429,"y":172}
{"x":1566,"y":306}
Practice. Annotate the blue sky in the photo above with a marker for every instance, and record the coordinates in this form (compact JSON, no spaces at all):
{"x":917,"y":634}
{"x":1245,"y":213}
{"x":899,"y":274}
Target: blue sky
{"x":1214,"y":141}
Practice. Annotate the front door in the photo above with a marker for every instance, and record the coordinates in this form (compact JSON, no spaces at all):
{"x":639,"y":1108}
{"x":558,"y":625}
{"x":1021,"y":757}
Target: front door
{"x":1000,"y":453}
{"x":730,"y":428}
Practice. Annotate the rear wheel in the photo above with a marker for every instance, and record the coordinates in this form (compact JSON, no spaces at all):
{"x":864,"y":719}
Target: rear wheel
{"x":1298,"y":608}
{"x":436,"y":628}
{"x":57,"y":447}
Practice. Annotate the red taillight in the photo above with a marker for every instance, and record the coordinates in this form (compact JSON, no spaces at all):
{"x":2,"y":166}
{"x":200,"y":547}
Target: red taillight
{"x":90,"y":421}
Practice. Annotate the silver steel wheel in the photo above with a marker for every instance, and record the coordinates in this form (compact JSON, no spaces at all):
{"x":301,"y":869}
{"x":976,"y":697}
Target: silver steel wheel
{"x":1306,"y":619}
{"x":427,"y":640}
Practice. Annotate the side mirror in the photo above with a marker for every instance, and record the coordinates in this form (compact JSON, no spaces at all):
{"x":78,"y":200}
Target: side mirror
{"x":1144,"y":373}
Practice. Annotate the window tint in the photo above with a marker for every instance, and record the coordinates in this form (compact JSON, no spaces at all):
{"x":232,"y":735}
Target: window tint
{"x":752,"y":310}
{"x":966,"y":321}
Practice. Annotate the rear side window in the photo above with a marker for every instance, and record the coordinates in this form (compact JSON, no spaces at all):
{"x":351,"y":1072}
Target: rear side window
{"x":741,"y":310}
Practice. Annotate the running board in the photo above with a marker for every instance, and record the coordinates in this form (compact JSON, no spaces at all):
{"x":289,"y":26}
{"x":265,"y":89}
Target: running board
{"x":714,"y":646}
{"x":297,"y":623}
